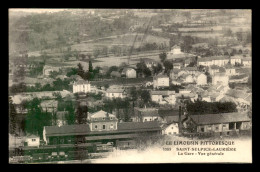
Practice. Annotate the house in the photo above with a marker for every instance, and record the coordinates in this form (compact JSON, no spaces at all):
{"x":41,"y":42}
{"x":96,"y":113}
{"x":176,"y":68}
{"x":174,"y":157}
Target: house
{"x":115,"y":93}
{"x":161,"y":81}
{"x":177,"y":65}
{"x":175,"y":50}
{"x":186,"y":97}
{"x":32,"y":140}
{"x":186,"y":78}
{"x":129,"y":73}
{"x":81,"y":133}
{"x":170,"y":129}
{"x":115,"y":74}
{"x":230,"y":71}
{"x":163,"y":97}
{"x":200,"y":78}
{"x":49,"y":106}
{"x":235,"y":60}
{"x":247,"y":61}
{"x":48,"y":69}
{"x":145,"y":115}
{"x":102,"y":121}
{"x":81,"y":86}
{"x":221,"y":124}
{"x":220,"y":78}
{"x":214,"y":60}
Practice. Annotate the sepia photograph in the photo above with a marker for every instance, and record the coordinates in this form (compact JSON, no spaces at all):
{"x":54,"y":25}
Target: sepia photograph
{"x":129,"y":86}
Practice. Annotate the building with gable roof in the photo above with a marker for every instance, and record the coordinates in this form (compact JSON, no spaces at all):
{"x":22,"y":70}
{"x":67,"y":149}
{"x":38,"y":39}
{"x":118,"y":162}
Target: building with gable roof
{"x":220,"y":78}
{"x":161,"y":81}
{"x":102,"y":121}
{"x":116,"y":93}
{"x":48,"y":69}
{"x":223,"y":124}
{"x":128,"y":72}
{"x":146,"y":115}
{"x":214,"y":60}
{"x":81,"y":86}
{"x":163,"y":97}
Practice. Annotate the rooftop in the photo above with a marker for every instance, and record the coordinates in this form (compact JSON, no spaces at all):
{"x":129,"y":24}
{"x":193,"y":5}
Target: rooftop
{"x":101,"y":114}
{"x":83,"y":129}
{"x":213,"y":58}
{"x":163,"y":92}
{"x":220,"y":118}
{"x":115,"y":90}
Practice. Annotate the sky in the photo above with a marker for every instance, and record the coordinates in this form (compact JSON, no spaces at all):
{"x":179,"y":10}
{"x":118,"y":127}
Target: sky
{"x":36,"y":10}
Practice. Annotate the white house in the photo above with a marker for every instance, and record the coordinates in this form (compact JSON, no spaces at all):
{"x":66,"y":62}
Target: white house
{"x":102,"y":121}
{"x":200,"y":78}
{"x":129,"y":73}
{"x":170,"y":129}
{"x":146,"y":115}
{"x":116,"y":93}
{"x":32,"y":140}
{"x":175,"y":50}
{"x":177,"y":65}
{"x":247,"y":61}
{"x":48,"y":69}
{"x":230,"y":71}
{"x":81,"y":86}
{"x":214,"y":60}
{"x":220,"y":79}
{"x":235,"y":59}
{"x":186,"y":78}
{"x":163,"y":97}
{"x":161,"y":81}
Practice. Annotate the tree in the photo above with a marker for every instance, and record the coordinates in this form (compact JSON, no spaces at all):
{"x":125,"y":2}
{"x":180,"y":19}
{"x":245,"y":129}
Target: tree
{"x":12,"y":117}
{"x":81,"y":114}
{"x":168,"y":66}
{"x":163,"y":56}
{"x":145,"y":96}
{"x":90,"y":67}
{"x":158,"y":68}
{"x":133,"y":93}
{"x":72,"y":71}
{"x":81,"y":71}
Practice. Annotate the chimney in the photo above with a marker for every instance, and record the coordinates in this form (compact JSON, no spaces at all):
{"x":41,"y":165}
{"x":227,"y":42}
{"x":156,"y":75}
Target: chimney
{"x":180,"y":124}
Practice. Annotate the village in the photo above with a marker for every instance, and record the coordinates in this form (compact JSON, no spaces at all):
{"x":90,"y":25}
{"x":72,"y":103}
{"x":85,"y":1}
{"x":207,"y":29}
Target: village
{"x":97,"y":107}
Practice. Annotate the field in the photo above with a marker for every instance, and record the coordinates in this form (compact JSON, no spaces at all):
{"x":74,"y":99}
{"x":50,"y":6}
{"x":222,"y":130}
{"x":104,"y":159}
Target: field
{"x":120,"y":40}
{"x":123,"y":81}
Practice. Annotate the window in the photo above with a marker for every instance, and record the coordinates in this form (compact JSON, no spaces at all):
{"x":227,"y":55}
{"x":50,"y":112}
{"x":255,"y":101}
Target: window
{"x":150,"y":119}
{"x":111,"y":118}
{"x":169,"y":133}
{"x":33,"y":140}
{"x":172,"y":127}
{"x":216,"y":128}
{"x":104,"y":127}
{"x":202,"y":129}
{"x":96,"y":127}
{"x":95,"y":119}
{"x":145,"y":120}
{"x":103,"y":119}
